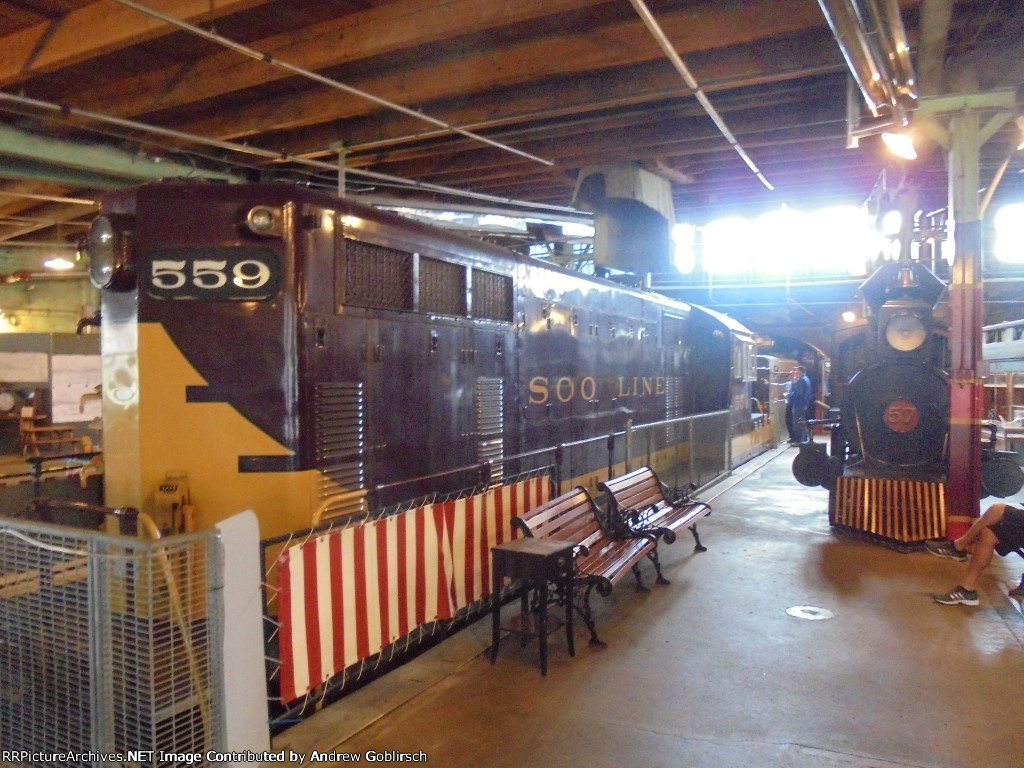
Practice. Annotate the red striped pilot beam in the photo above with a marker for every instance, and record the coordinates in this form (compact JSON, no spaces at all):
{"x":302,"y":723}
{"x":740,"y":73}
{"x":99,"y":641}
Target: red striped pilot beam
{"x":347,"y":594}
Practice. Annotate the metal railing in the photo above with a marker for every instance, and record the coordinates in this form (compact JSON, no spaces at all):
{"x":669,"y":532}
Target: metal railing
{"x":110,"y":647}
{"x":698,"y":448}
{"x":703,"y":442}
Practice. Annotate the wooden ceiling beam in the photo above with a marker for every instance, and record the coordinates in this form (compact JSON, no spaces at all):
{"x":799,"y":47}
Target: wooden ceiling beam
{"x":672,"y":134}
{"x":587,"y":95}
{"x":680,"y":123}
{"x":351,"y":37}
{"x":98,"y":29}
{"x":513,"y":66}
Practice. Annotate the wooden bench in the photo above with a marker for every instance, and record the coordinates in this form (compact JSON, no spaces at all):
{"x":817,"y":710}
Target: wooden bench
{"x":600,"y":560}
{"x":643,"y":504}
{"x":37,"y":441}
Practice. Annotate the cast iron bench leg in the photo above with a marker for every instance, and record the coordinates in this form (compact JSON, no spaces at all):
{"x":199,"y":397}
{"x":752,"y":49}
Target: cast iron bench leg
{"x":639,"y":581}
{"x":653,"y":557}
{"x":584,"y":610}
{"x":495,"y":615}
{"x":698,"y":547}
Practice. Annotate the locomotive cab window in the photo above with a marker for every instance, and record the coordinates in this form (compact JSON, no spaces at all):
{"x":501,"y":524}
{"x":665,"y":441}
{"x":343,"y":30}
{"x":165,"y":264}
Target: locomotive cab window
{"x":743,"y":361}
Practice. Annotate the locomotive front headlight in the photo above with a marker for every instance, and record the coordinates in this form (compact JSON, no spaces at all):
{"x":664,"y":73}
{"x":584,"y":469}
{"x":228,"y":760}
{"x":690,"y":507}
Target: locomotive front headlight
{"x":108,"y":259}
{"x":265,"y":221}
{"x":100,"y":247}
{"x":905,"y":333}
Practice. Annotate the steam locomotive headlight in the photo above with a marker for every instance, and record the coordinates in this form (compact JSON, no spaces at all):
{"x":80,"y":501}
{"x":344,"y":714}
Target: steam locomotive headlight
{"x":905,"y":333}
{"x":107,"y":249}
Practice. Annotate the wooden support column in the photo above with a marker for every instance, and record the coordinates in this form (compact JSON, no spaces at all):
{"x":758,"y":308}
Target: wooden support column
{"x":963,"y":140}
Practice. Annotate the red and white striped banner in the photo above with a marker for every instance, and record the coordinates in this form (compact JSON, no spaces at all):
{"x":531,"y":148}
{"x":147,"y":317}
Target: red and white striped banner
{"x":347,"y":594}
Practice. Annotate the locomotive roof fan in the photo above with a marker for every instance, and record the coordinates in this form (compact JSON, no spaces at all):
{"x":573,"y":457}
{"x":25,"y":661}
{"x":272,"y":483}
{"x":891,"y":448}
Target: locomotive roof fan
{"x":902,"y":296}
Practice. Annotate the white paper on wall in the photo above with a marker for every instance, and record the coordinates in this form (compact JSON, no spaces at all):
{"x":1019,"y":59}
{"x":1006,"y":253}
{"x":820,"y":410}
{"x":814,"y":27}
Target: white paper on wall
{"x":74,"y":376}
{"x":23,"y":367}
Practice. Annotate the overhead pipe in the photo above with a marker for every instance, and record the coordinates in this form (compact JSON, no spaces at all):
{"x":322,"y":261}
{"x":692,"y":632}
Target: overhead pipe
{"x":898,"y":49}
{"x":49,"y":198}
{"x":889,"y":45}
{"x":859,"y":59}
{"x":873,"y":42}
{"x":248,"y":149}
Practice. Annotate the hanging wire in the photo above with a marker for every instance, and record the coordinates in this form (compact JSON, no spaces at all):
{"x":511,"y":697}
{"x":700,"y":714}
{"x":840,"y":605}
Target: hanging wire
{"x":316,"y":77}
{"x":666,"y":46}
{"x":248,"y":149}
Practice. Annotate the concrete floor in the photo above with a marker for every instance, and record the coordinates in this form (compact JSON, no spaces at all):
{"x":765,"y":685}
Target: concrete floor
{"x":712,"y":671}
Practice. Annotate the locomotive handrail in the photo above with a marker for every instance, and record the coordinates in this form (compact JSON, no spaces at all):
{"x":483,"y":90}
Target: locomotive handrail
{"x":484,"y":468}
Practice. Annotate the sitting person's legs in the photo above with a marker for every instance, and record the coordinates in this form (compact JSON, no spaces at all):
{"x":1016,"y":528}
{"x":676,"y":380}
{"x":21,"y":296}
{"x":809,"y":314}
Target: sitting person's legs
{"x":1000,"y":529}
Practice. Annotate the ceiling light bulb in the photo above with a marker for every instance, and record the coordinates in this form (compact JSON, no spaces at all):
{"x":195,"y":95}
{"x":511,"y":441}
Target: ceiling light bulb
{"x":58,"y":263}
{"x":900,"y":145}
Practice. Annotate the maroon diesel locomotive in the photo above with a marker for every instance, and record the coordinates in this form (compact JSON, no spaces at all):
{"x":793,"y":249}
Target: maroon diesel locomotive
{"x":277,"y":349}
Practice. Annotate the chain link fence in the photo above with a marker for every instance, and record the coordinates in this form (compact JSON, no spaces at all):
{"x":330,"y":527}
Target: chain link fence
{"x":110,"y":648}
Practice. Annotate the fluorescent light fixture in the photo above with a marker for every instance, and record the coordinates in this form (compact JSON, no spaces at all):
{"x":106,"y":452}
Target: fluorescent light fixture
{"x":900,"y":145}
{"x":58,"y":263}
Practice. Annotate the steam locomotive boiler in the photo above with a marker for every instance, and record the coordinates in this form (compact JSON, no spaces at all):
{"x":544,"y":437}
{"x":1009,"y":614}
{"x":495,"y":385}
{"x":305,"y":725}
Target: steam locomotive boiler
{"x":885,"y":467}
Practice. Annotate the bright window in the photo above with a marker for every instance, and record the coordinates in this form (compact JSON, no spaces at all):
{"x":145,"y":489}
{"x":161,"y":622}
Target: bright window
{"x":684,"y":237}
{"x":730,"y":246}
{"x":1009,"y":228}
{"x":784,"y":242}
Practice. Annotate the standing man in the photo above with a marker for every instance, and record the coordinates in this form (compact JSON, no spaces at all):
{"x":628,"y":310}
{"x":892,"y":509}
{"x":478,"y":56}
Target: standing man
{"x":799,"y":401}
{"x":789,"y":410}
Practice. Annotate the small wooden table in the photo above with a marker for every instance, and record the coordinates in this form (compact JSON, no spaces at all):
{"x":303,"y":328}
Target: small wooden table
{"x":38,"y":440}
{"x":536,"y":563}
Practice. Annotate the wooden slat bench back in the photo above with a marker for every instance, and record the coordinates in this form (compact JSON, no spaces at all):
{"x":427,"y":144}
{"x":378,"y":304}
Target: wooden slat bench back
{"x":601,"y":560}
{"x":638,"y":500}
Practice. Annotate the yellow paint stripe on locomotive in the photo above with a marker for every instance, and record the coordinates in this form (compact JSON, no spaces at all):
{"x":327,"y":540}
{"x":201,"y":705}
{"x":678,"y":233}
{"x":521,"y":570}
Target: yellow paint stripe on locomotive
{"x":205,"y":440}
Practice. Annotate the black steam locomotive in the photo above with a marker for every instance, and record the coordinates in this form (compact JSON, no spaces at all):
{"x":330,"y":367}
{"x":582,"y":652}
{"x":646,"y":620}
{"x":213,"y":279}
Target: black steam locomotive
{"x":886,"y":466}
{"x":284,"y":351}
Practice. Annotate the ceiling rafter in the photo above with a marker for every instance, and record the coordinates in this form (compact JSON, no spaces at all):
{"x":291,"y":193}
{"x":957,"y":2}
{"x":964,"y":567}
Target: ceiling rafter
{"x":95,"y":30}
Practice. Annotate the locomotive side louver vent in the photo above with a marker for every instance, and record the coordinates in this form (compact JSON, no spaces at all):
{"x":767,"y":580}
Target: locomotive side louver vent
{"x":492,"y":296}
{"x":442,"y":287}
{"x":377,"y":277}
{"x":490,"y":423}
{"x":340,"y":443}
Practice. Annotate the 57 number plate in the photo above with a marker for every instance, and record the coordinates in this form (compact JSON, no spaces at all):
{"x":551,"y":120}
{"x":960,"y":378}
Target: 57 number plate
{"x":242,"y":273}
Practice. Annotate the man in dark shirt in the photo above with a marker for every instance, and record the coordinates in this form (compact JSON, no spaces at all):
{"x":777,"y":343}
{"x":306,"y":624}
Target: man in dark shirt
{"x":799,"y":401}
